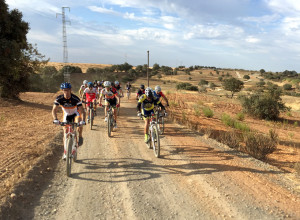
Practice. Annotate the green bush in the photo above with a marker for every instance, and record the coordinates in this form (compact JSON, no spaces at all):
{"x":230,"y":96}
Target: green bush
{"x":227,"y":120}
{"x":203,"y":82}
{"x":287,"y":87}
{"x":240,"y":116}
{"x":186,"y":86}
{"x":246,"y":77}
{"x":233,"y":85}
{"x":208,"y":112}
{"x":266,"y":105}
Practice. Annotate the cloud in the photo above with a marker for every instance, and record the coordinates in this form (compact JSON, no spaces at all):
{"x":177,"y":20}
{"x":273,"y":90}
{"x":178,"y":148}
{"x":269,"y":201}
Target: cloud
{"x":40,"y":36}
{"x":103,"y":10}
{"x":284,"y":6}
{"x":252,"y":39}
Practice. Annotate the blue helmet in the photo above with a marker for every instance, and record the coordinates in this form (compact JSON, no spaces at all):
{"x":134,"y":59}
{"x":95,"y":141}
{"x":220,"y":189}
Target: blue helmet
{"x":90,"y":84}
{"x":65,"y":85}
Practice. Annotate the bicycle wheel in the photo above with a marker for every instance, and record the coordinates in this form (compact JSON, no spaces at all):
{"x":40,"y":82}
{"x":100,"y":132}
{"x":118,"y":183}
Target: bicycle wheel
{"x":91,"y":118}
{"x":155,"y":141}
{"x":109,"y":125}
{"x":69,"y":156}
{"x":75,"y":153}
{"x":149,"y":141}
{"x":162,"y":125}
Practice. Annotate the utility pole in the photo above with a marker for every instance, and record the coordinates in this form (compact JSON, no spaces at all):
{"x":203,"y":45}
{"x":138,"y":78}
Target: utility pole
{"x":65,"y":45}
{"x":148,"y":68}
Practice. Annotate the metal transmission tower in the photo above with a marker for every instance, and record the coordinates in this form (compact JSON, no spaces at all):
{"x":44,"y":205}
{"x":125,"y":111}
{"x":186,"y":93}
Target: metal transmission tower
{"x":65,"y":45}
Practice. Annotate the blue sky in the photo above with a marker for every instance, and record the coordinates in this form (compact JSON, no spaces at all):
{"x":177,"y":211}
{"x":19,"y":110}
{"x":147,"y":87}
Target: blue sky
{"x":247,"y":34}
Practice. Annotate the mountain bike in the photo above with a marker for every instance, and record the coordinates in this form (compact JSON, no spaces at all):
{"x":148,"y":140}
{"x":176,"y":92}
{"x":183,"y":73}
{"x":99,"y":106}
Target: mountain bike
{"x":153,"y":132}
{"x":71,"y":144}
{"x":110,"y":120}
{"x":160,"y":118}
{"x":91,"y":113}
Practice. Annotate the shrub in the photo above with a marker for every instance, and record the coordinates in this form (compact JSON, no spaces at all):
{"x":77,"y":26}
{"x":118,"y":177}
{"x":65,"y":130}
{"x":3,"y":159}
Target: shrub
{"x":197,"y":110}
{"x":212,"y":85}
{"x":246,"y":77}
{"x":287,"y":87}
{"x":227,"y":120}
{"x":231,"y":139}
{"x":186,"y":86}
{"x":220,"y":78}
{"x":203,"y":82}
{"x":240,"y":116}
{"x":264,"y":105}
{"x":190,"y":78}
{"x":208,"y":112}
{"x":260,"y":84}
{"x":258,"y":145}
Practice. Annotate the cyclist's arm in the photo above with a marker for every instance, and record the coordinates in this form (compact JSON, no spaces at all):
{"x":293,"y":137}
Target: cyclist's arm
{"x":165,"y":98}
{"x":54,"y":111}
{"x":139,"y":106}
{"x":80,"y":108}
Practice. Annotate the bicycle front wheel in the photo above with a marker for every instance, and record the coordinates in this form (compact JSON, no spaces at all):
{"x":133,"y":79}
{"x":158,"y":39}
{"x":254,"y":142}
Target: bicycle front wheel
{"x":162,"y":125}
{"x":91,"y":118}
{"x":69,"y":156}
{"x":109,"y":125}
{"x":155,"y":141}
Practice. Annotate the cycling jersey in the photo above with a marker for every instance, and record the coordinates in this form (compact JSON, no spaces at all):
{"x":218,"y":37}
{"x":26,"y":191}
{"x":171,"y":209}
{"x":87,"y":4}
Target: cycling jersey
{"x":128,"y":86}
{"x":158,"y":95}
{"x":69,"y":106}
{"x":110,"y":94}
{"x":146,"y":104}
{"x":140,"y":92}
{"x":90,"y":94}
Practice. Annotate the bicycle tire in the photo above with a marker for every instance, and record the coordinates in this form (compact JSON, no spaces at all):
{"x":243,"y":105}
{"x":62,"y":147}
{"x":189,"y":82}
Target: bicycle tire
{"x":69,"y":156}
{"x":109,"y":127}
{"x":76,"y":146}
{"x":149,"y":146}
{"x":91,"y":118}
{"x":155,"y":141}
{"x":162,"y":126}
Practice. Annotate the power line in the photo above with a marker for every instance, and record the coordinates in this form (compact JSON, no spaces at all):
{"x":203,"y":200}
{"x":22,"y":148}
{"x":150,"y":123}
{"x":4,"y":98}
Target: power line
{"x":65,"y":45}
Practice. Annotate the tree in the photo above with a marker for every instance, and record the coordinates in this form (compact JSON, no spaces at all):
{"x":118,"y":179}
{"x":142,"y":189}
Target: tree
{"x":18,"y":58}
{"x":246,"y":77}
{"x":262,"y":71}
{"x":233,"y":85}
{"x":155,"y":67}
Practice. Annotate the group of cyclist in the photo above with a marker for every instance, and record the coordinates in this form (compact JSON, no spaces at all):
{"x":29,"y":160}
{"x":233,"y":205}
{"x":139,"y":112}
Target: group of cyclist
{"x":74,"y":108}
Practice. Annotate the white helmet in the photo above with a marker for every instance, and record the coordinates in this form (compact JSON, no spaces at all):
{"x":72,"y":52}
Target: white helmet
{"x":116,"y":83}
{"x":85,"y":82}
{"x":107,"y":84}
{"x":148,"y":92}
{"x":98,"y":82}
{"x":157,"y":89}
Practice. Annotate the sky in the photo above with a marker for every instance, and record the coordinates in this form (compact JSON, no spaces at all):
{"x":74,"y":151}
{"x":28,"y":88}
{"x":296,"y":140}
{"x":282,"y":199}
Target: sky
{"x":242,"y":34}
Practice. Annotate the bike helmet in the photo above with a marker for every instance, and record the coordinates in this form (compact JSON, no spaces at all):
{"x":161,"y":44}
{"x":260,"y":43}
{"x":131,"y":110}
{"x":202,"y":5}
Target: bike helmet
{"x":85,"y":82}
{"x":117,"y":83}
{"x":142,"y":86}
{"x":90,"y":84}
{"x":98,"y":82}
{"x":65,"y":85}
{"x":148,"y":92}
{"x":157,"y":89}
{"x":107,"y":84}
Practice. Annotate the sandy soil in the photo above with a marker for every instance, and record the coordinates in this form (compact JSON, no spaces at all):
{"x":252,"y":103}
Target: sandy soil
{"x":196,"y":178}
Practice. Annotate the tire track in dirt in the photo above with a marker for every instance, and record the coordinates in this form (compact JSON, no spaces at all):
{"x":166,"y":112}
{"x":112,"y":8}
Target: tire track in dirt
{"x":196,"y":178}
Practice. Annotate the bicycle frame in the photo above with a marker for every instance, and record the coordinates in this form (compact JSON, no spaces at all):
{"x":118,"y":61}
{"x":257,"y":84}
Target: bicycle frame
{"x":154,"y":135}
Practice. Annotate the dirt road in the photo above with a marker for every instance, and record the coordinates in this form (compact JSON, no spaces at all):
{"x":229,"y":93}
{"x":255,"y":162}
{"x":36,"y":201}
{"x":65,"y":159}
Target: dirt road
{"x":196,"y":178}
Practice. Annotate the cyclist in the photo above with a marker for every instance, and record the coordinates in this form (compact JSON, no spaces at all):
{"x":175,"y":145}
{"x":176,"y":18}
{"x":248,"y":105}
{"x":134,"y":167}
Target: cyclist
{"x":146,"y":103}
{"x":81,"y":90}
{"x":119,"y":88}
{"x":140,"y":92}
{"x":91,"y":94}
{"x":158,"y":93}
{"x":72,"y":110}
{"x":111,"y":98}
{"x":99,"y":86}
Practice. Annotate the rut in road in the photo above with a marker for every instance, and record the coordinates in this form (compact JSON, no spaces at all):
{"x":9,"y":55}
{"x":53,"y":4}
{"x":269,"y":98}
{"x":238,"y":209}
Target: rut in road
{"x":119,"y":178}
